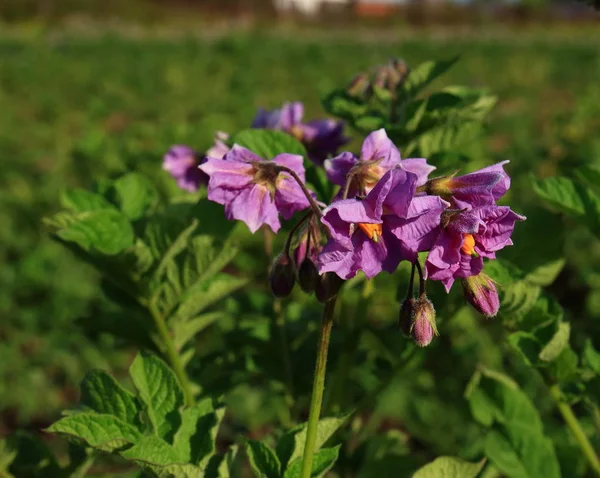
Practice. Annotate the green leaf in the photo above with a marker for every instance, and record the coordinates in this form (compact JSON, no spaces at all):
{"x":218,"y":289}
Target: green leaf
{"x":269,"y":143}
{"x":81,"y":200}
{"x":545,"y":274}
{"x":134,"y":194}
{"x":151,"y":450}
{"x":184,"y":331}
{"x":208,"y":292}
{"x":564,"y":367}
{"x":160,"y":393}
{"x":557,"y":344}
{"x":590,"y":357}
{"x":100,"y":431}
{"x":424,"y":74}
{"x":263,"y":460}
{"x":446,"y":137}
{"x":174,"y":247}
{"x":291,"y":444}
{"x":27,"y":456}
{"x":102,"y":393}
{"x":572,"y":198}
{"x":528,"y":346}
{"x":449,"y":467}
{"x":515,"y":443}
{"x":104,"y":230}
{"x":195,"y":439}
{"x":323,"y":461}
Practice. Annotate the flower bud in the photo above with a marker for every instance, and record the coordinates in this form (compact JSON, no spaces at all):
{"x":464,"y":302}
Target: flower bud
{"x":407,"y":314}
{"x":482,"y":294}
{"x":282,"y":276}
{"x":358,"y":85}
{"x":308,"y":276}
{"x":442,"y":186}
{"x":423,"y":327}
{"x":328,"y":286}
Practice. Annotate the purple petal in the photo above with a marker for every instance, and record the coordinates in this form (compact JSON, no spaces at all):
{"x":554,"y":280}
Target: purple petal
{"x":219,"y":148}
{"x":291,"y":115}
{"x":500,"y":223}
{"x":342,"y":214}
{"x":267,"y":119}
{"x":444,"y":255}
{"x":338,"y":168}
{"x":402,"y":190}
{"x":179,"y":159}
{"x":378,"y":147}
{"x":239,"y":153}
{"x":468,"y":266}
{"x":501,"y":186}
{"x":227,"y":174}
{"x":336,"y":258}
{"x":289,"y":197}
{"x":369,"y":256}
{"x":419,"y":167}
{"x":291,"y":161}
{"x":255,"y":207}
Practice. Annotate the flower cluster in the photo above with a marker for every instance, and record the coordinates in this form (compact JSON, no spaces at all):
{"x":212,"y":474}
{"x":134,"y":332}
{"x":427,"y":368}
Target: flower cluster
{"x":321,"y":138}
{"x":387,"y":210}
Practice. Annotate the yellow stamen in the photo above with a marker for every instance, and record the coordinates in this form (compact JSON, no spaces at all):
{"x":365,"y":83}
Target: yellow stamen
{"x":373,"y":231}
{"x":468,"y":246}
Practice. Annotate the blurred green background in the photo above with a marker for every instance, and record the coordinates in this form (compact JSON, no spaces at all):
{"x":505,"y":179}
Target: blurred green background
{"x":83,"y":98}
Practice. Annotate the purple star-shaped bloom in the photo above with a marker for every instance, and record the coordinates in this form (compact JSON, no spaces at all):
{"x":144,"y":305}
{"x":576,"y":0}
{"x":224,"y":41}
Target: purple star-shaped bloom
{"x":378,"y":155}
{"x":320,"y":137}
{"x":377,"y":232}
{"x":466,"y":239}
{"x":253,"y":190}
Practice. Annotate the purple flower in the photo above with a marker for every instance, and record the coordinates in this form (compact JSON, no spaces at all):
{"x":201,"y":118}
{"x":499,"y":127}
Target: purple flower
{"x":481,"y":292}
{"x":182,"y":163}
{"x":254,"y":190}
{"x":378,"y":155}
{"x":465,"y":238}
{"x":480,"y":188}
{"x":320,"y":137}
{"x":377,"y":232}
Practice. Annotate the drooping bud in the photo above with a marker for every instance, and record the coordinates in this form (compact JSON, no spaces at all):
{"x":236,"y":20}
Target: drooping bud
{"x":358,"y":85}
{"x":423,"y":327}
{"x":481,"y":292}
{"x":308,"y":276}
{"x":407,"y":315}
{"x":282,"y":276}
{"x":328,"y":286}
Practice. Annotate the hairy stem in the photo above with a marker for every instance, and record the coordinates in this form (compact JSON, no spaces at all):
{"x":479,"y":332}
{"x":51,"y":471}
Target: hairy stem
{"x":318,"y":387}
{"x":171,"y":352}
{"x":573,"y":424}
{"x":313,"y":204}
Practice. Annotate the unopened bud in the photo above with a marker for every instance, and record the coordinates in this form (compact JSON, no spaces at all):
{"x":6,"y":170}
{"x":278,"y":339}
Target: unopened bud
{"x":282,"y":276}
{"x":381,"y":76}
{"x":358,"y":85}
{"x":308,"y":276}
{"x":328,"y":286}
{"x":442,"y":186}
{"x":423,"y":327}
{"x":407,"y":315}
{"x":482,"y":294}
{"x":401,"y":67}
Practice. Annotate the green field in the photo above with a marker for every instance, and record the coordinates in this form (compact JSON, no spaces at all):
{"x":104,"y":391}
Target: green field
{"x":74,"y":110}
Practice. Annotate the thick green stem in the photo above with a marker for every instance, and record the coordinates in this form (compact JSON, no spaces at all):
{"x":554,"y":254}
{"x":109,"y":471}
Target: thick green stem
{"x":318,"y":387}
{"x":172,"y":354}
{"x":573,"y":424}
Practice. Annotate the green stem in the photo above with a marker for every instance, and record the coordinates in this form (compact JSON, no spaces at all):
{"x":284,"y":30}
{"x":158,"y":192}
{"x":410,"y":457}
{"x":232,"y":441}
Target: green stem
{"x":318,"y":387}
{"x":172,"y":354}
{"x":279,"y":321}
{"x":575,"y":427}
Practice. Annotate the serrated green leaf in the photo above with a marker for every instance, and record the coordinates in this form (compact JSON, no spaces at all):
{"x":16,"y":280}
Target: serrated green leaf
{"x":269,"y":143}
{"x":564,"y":367}
{"x":528,"y":346}
{"x":134,"y":194}
{"x":323,"y":461}
{"x":208,"y":292}
{"x":291,"y":445}
{"x":545,"y":274}
{"x":105,"y":231}
{"x":160,"y":392}
{"x":517,"y":299}
{"x":557,"y":344}
{"x":445,"y":137}
{"x":449,"y":467}
{"x":210,"y":256}
{"x":102,"y":393}
{"x":263,"y":460}
{"x":81,"y":200}
{"x":103,"y":432}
